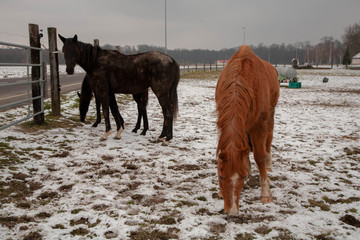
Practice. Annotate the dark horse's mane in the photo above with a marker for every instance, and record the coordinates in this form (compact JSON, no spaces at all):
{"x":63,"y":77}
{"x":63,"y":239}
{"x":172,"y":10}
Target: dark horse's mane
{"x":88,"y":57}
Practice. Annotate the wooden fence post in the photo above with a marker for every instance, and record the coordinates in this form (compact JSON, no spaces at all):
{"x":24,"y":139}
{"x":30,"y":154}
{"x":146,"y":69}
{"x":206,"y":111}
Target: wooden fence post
{"x":35,"y":72}
{"x":117,"y":48}
{"x":96,"y":42}
{"x":54,"y":72}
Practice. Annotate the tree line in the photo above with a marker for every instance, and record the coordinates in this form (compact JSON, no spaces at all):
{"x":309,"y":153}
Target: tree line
{"x":327,"y":51}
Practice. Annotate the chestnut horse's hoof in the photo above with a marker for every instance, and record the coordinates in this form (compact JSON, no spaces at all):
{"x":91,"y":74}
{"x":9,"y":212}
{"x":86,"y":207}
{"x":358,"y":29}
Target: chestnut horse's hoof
{"x":265,"y":200}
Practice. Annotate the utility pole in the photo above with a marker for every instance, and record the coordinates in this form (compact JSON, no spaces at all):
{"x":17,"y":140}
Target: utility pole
{"x":244,"y":35}
{"x":165,"y":30}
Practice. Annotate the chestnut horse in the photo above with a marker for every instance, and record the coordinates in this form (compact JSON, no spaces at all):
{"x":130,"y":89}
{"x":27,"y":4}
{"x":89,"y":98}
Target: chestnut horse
{"x":246,"y":95}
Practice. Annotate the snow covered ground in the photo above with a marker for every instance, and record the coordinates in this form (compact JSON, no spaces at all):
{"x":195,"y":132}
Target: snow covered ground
{"x":18,"y":72}
{"x":63,"y":183}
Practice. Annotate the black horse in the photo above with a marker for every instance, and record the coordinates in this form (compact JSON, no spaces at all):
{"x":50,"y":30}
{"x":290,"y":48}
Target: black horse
{"x":86,"y":95}
{"x":111,"y":72}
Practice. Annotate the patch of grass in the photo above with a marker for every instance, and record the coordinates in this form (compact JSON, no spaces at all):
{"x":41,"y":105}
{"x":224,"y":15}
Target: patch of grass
{"x":263,"y":230}
{"x":143,"y":234}
{"x":324,"y":236}
{"x":217,"y":228}
{"x":244,"y":236}
{"x":33,"y":236}
{"x":58,"y":226}
{"x":12,"y":221}
{"x":47,"y":195}
{"x":79,"y":232}
{"x":201,"y":75}
{"x":312,"y":162}
{"x":352,"y":151}
{"x":202,"y":198}
{"x":350,"y":220}
{"x":341,"y":200}
{"x":51,"y":122}
{"x":320,"y":204}
{"x":43,"y":215}
{"x":167,"y":220}
{"x":185,"y":203}
{"x":76,"y":211}
{"x":7,"y":155}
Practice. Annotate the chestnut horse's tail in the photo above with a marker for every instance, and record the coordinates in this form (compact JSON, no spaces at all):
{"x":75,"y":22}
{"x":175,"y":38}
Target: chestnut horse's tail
{"x":173,"y":91}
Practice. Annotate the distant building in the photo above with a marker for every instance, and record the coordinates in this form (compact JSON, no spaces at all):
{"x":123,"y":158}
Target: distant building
{"x":222,"y":62}
{"x":355,"y":60}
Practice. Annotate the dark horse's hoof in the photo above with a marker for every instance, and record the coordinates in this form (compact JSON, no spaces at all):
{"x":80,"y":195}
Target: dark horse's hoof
{"x":163,"y":141}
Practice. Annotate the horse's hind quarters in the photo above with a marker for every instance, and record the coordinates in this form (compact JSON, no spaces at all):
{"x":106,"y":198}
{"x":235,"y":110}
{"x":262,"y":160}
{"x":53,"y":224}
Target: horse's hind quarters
{"x":105,"y":136}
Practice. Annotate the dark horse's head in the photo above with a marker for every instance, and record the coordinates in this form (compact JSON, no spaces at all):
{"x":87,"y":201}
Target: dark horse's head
{"x":70,"y":53}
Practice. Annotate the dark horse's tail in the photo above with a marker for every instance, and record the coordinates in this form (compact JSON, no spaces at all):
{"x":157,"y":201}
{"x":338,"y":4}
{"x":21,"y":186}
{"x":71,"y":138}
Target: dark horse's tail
{"x":173,"y":91}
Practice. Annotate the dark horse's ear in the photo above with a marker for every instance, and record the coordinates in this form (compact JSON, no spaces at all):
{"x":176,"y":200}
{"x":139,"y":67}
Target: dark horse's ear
{"x":75,"y":38}
{"x":62,"y":38}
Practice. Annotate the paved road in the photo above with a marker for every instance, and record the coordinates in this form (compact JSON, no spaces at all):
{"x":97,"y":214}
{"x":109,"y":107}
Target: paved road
{"x":16,"y":93}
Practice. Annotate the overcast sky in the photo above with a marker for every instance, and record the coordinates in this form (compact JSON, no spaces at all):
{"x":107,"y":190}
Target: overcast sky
{"x":205,"y":24}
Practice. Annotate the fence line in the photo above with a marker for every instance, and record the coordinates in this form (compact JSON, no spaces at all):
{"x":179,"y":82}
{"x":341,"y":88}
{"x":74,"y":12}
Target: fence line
{"x":28,"y":83}
{"x":184,"y":67}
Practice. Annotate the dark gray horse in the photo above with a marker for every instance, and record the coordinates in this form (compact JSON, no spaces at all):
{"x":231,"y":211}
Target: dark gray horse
{"x":111,"y":72}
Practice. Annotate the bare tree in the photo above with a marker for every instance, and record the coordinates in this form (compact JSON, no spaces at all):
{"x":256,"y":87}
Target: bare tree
{"x":351,"y":38}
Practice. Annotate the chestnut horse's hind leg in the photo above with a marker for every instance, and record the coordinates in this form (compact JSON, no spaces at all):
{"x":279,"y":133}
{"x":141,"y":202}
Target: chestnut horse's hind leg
{"x":258,"y":138}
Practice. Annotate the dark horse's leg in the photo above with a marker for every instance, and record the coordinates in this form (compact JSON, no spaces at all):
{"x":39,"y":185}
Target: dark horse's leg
{"x":98,"y":113}
{"x":108,"y":100}
{"x":141,"y":99}
{"x":168,"y":99}
{"x":116,"y":114}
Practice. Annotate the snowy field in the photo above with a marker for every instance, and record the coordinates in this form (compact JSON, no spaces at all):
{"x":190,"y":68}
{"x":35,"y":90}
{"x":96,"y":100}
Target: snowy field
{"x":63,"y":183}
{"x":18,"y":72}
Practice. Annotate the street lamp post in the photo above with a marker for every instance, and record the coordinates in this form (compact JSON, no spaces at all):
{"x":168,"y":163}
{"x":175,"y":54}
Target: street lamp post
{"x":244,"y":35}
{"x":165,"y":30}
